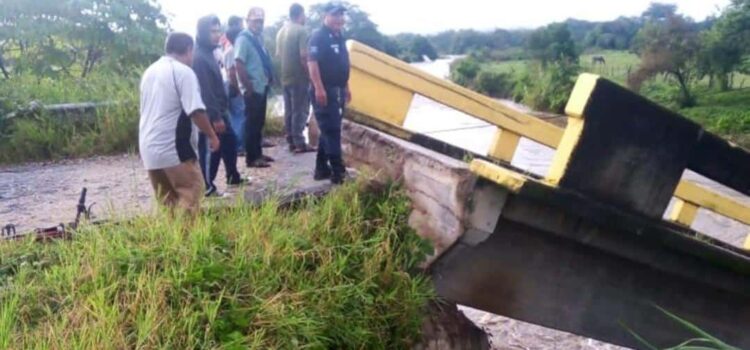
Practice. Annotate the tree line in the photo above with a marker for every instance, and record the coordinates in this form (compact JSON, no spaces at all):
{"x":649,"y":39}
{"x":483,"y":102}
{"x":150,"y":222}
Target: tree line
{"x":668,"y":44}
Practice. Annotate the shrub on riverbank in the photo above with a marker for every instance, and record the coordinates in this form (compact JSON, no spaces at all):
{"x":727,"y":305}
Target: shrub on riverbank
{"x":330,"y":273}
{"x":30,"y":134}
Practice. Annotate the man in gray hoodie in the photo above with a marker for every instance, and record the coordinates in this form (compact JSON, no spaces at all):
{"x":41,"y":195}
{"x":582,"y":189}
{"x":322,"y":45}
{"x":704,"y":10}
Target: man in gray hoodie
{"x":207,"y":69}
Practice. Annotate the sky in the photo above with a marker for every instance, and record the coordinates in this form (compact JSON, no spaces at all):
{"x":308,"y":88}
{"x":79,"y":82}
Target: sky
{"x":432,"y":16}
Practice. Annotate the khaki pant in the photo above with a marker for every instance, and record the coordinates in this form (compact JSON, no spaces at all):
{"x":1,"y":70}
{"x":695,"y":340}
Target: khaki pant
{"x":180,"y":186}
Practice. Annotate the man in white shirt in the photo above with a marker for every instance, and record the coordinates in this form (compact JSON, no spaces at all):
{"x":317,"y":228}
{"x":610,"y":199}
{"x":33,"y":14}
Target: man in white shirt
{"x":171,"y":109}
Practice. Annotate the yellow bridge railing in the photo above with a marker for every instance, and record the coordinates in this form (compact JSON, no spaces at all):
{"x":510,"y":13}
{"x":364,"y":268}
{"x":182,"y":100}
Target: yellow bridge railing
{"x":386,"y":86}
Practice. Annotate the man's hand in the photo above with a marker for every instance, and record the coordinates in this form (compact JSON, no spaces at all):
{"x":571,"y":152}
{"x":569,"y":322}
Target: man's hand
{"x":219,"y":126}
{"x":214,"y":143}
{"x":321,"y":97}
{"x":348,"y":96}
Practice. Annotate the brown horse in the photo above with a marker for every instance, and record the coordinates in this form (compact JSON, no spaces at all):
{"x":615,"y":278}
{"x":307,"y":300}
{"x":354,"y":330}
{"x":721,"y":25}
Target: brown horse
{"x":598,"y":60}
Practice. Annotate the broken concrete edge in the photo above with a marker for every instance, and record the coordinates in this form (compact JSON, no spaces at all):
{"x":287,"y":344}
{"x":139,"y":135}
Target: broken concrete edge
{"x":447,"y":205}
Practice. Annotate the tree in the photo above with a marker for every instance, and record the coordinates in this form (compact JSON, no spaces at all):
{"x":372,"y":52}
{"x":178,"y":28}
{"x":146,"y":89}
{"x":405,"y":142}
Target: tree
{"x":77,"y":36}
{"x":718,"y":57}
{"x":726,"y":44}
{"x":359,"y":27}
{"x":421,"y":47}
{"x":667,"y":45}
{"x":553,"y":43}
{"x":659,"y":12}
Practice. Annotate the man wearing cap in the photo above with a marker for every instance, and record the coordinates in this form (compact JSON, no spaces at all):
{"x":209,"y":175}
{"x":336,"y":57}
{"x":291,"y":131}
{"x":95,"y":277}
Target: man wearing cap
{"x":255,"y":74}
{"x":328,"y":63}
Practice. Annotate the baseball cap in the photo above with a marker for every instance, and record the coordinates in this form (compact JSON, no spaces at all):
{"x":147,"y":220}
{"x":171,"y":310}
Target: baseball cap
{"x":256,"y":13}
{"x":333,"y":8}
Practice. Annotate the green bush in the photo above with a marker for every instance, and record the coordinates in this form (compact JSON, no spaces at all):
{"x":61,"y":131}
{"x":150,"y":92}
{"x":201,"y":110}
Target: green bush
{"x":334,"y":273}
{"x":495,"y":84}
{"x":464,"y":71}
{"x":113,"y":129}
{"x":35,"y":135}
{"x":547,"y":88}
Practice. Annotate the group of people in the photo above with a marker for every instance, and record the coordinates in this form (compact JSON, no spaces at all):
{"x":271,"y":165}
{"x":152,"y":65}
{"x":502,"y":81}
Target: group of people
{"x":205,"y":102}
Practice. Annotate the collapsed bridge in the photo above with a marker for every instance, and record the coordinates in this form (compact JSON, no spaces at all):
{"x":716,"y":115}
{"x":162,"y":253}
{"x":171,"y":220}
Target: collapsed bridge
{"x":584,"y":249}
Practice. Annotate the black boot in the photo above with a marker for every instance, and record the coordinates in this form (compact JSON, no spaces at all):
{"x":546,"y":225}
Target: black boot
{"x":338,"y":171}
{"x":322,"y":170}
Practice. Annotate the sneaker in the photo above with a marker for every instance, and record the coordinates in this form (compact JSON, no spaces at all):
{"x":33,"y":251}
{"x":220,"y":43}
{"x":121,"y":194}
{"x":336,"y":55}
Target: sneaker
{"x":268,"y":144}
{"x":258,"y":163}
{"x":268,"y":159}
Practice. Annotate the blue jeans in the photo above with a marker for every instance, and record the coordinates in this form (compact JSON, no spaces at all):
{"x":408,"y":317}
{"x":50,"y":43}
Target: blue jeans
{"x":238,"y":119}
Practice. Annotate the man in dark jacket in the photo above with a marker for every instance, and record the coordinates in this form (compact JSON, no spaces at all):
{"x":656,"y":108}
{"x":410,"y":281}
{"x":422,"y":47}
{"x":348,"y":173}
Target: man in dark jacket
{"x":207,"y":70}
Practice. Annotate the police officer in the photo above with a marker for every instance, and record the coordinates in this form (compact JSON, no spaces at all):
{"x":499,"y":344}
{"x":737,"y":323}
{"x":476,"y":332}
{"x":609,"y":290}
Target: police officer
{"x":328,"y":63}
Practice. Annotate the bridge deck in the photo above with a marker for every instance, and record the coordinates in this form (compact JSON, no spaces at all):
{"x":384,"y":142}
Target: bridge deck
{"x":583,"y":249}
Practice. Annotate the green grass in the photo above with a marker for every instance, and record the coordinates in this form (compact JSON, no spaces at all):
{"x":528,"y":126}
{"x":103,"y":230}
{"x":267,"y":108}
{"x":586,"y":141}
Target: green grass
{"x":332,"y":273}
{"x":702,"y":341}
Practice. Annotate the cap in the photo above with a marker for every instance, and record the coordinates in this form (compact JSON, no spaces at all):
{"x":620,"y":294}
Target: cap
{"x":256,"y":13}
{"x":333,"y":8}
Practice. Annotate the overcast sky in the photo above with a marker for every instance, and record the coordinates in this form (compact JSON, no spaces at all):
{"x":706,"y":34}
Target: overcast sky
{"x":432,"y":16}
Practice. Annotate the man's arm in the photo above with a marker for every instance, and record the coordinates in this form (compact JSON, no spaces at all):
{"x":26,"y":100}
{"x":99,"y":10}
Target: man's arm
{"x":320,"y":92}
{"x":208,"y":95}
{"x":200,"y":118}
{"x":303,"y":52}
{"x":242,"y":75}
{"x":278,"y":45}
{"x":232,"y":71}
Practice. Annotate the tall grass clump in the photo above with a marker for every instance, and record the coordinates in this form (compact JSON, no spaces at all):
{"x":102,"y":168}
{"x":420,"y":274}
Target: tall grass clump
{"x":702,"y":340}
{"x":335,"y":273}
{"x":32,"y":135}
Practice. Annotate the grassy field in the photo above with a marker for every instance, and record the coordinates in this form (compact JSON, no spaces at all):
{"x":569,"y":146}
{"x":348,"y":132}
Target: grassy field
{"x":334,"y":273}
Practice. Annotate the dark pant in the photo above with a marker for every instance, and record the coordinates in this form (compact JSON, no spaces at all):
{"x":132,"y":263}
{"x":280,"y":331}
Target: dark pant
{"x":329,"y":159}
{"x":209,"y":162}
{"x":296,"y":111}
{"x":255,"y":109}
